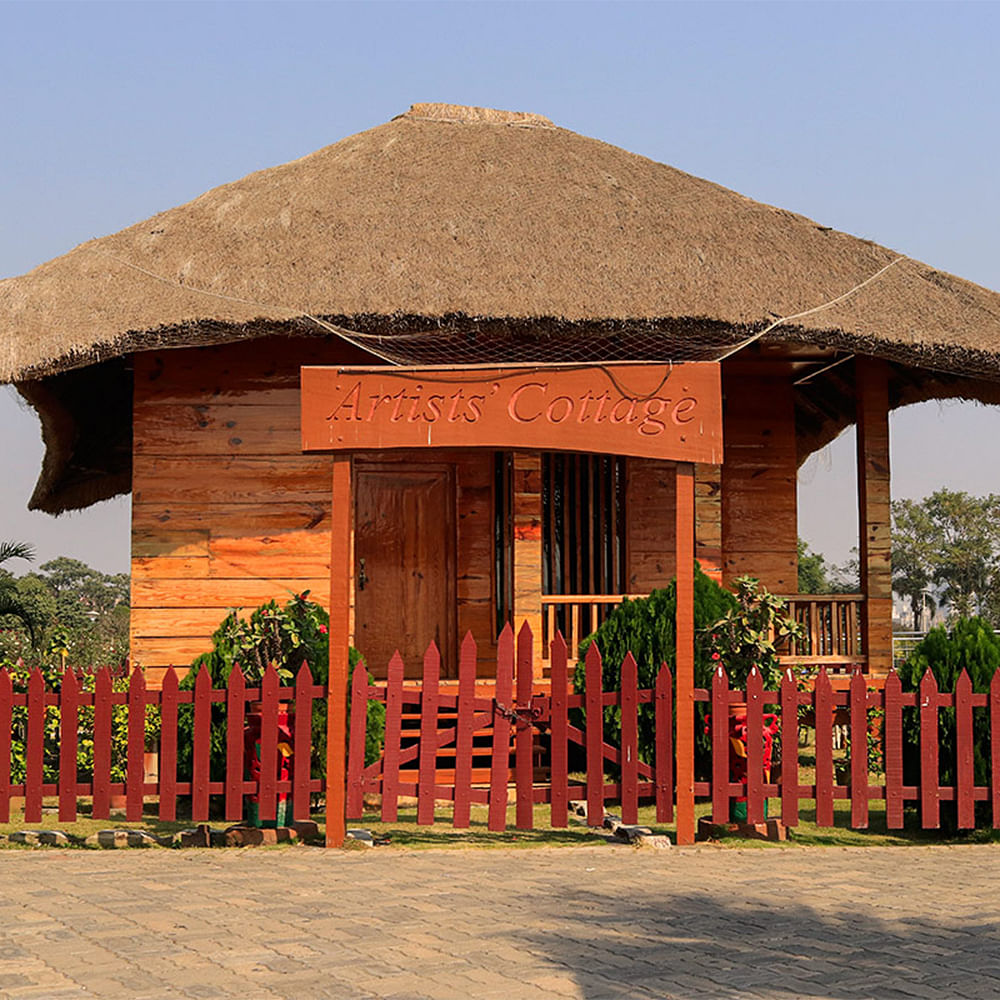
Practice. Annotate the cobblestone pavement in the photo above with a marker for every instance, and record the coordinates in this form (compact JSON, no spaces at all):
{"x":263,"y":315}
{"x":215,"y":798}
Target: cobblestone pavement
{"x":584,"y":923}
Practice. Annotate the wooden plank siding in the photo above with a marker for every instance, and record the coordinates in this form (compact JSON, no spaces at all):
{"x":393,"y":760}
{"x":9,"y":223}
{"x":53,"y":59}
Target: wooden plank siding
{"x":759,"y":516}
{"x":227,"y":511}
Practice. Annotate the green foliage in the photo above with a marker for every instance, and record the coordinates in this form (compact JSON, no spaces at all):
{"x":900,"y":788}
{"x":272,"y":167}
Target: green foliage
{"x":813,"y":571}
{"x":952,"y":540}
{"x":747,"y":635}
{"x":64,"y":605}
{"x":647,"y":627}
{"x":971,"y":645}
{"x":287,"y":636}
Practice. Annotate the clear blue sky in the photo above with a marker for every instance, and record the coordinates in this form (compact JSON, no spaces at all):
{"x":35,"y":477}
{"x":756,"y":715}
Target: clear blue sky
{"x":879,"y":119}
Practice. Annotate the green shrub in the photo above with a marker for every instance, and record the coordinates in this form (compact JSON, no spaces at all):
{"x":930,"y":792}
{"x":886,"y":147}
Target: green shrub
{"x":288,"y":637}
{"x":647,"y":627}
{"x":971,"y":645}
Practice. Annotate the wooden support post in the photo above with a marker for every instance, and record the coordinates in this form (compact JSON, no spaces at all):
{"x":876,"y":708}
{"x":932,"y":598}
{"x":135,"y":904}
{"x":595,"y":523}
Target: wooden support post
{"x":527,"y":561}
{"x":874,"y":513}
{"x":341,"y":572}
{"x":685,"y":652}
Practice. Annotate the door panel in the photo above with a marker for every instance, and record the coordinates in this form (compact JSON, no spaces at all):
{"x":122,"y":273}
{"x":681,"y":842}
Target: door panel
{"x":404,"y":565}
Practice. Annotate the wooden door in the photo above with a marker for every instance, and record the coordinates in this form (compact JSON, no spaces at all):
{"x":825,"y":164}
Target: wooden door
{"x":404,"y":554}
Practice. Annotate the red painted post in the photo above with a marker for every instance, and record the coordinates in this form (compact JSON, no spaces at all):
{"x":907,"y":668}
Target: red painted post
{"x":892,"y":726}
{"x":559,"y":778}
{"x":235,"y":702}
{"x":341,"y":581}
{"x":684,"y":550}
{"x":202,"y":747}
{"x":965,"y":775}
{"x":427,"y":773}
{"x":995,"y":748}
{"x":859,"y":751}
{"x":789,"y":750}
{"x":6,"y":724}
{"x":267,"y":792}
{"x":720,"y":746}
{"x":33,"y":765}
{"x":524,"y":732}
{"x":393,"y":731}
{"x":302,"y":739}
{"x":168,"y":747}
{"x":630,"y":740}
{"x":755,"y":747}
{"x":593,"y":701}
{"x":356,"y":744}
{"x":464,"y":730}
{"x":823,"y":714}
{"x":930,"y":817}
{"x":69,"y":722}
{"x":664,"y":722}
{"x":103,"y":709}
{"x":500,"y":764}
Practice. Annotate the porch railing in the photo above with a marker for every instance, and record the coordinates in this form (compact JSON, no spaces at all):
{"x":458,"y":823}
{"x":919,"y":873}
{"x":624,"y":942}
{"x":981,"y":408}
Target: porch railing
{"x":832,"y":624}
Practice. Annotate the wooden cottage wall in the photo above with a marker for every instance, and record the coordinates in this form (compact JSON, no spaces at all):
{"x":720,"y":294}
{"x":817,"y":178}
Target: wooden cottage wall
{"x":228,"y":512}
{"x":759,"y":516}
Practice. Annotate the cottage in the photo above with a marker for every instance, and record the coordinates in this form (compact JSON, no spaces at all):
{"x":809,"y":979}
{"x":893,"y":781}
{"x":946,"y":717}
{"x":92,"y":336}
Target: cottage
{"x":569,"y":283}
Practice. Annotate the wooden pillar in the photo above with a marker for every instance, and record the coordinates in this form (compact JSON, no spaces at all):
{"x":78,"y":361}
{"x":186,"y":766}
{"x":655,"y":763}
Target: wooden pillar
{"x":684,"y":668}
{"x":341,"y":572}
{"x":874,"y":512}
{"x":527,"y":560}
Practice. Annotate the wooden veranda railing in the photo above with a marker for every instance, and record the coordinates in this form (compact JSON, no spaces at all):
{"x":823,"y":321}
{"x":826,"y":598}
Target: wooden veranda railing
{"x":832,"y":625}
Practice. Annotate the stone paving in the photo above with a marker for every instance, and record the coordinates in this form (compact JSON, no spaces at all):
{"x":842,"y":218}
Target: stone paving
{"x":587,"y":923}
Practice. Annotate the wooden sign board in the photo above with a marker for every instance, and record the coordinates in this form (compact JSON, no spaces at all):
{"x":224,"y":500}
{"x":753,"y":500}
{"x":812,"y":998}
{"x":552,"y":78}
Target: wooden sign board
{"x":649,"y":410}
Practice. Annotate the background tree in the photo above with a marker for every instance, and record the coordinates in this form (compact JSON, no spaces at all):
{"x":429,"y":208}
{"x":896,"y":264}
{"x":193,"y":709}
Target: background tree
{"x":952,"y":540}
{"x":817,"y":576}
{"x":11,"y":604}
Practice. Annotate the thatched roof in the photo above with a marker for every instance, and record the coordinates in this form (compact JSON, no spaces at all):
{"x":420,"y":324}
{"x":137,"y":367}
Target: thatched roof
{"x":481,"y":231}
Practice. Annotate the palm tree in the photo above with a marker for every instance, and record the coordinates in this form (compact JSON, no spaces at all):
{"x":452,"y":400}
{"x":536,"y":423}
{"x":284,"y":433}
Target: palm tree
{"x":10,"y":600}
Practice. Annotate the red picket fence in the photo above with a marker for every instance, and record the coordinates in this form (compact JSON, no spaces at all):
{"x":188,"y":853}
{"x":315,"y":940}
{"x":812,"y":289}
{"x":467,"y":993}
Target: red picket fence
{"x":434,"y":736}
{"x":512,"y":718}
{"x":70,"y":699}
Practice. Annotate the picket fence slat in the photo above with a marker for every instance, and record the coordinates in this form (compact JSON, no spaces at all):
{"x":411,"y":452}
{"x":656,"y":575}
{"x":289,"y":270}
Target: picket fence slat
{"x":630,"y":740}
{"x":465,"y":730}
{"x":34,"y":762}
{"x":893,"y":727}
{"x":135,"y":773}
{"x":559,"y":752}
{"x":755,"y":747}
{"x":500,"y":760}
{"x":664,"y":723}
{"x":789,"y":750}
{"x":69,"y":723}
{"x":824,"y":749}
{"x":721,"y":746}
{"x":965,"y":777}
{"x":428,"y":732}
{"x":168,"y":747}
{"x":302,"y":741}
{"x":356,"y":743}
{"x":523,"y":733}
{"x":859,"y":751}
{"x":393,"y":726}
{"x":201,"y":747}
{"x":103,"y":709}
{"x":235,"y":706}
{"x":595,"y":736}
{"x":930,"y":798}
{"x":267,"y":795}
{"x":994,"y":713}
{"x":6,"y":742}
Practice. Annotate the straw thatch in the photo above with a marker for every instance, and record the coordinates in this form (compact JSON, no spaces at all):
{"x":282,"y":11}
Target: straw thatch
{"x":485,"y":221}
